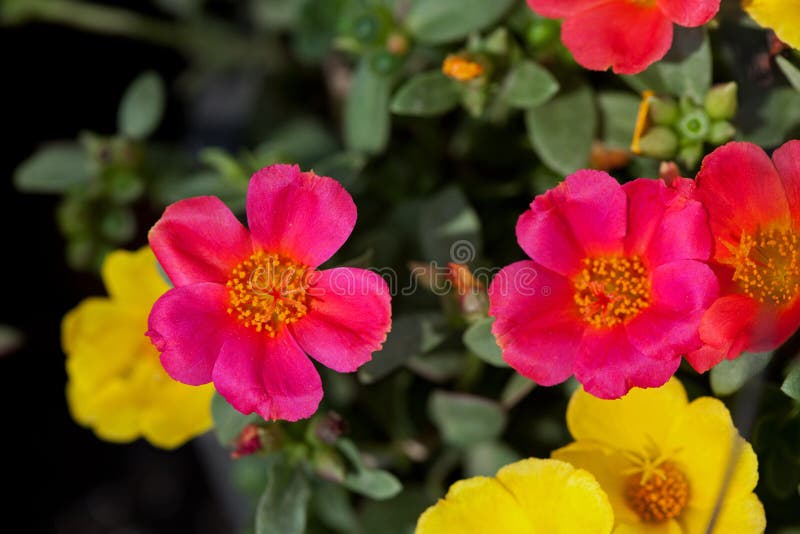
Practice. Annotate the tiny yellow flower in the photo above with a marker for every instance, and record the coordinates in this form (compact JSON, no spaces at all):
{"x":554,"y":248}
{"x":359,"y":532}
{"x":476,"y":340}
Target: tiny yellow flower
{"x":663,"y":461}
{"x":461,"y":68}
{"x":115,"y":382}
{"x":782,"y":16}
{"x":528,"y":496}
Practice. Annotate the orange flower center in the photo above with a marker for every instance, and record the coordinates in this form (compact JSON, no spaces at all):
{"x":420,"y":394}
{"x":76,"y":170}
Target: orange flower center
{"x":461,"y":69}
{"x":767,"y":265}
{"x":658,"y":495}
{"x":266,"y":291}
{"x":610,"y":291}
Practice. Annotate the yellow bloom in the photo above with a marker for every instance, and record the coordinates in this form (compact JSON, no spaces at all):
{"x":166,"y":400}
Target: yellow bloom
{"x":783,"y":16}
{"x":525,"y":497}
{"x":116,"y":384}
{"x":663,"y":461}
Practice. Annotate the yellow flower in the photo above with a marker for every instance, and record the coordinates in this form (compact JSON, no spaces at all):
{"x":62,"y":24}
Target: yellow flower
{"x":783,"y":16}
{"x":528,"y":496}
{"x":663,"y":461}
{"x":116,"y":384}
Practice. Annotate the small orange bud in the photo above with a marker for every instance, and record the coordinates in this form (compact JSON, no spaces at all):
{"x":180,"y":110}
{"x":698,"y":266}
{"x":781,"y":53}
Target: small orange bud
{"x":461,"y":68}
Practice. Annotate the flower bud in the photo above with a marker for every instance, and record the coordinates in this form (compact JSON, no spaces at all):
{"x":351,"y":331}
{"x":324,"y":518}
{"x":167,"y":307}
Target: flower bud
{"x":690,"y":154}
{"x":693,"y":126}
{"x":663,"y":111}
{"x":659,"y":142}
{"x":721,"y":132}
{"x":722,"y":101}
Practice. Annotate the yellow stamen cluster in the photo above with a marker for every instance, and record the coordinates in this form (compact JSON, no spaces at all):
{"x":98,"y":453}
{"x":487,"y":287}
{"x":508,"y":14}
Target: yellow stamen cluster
{"x":267,"y":291}
{"x":767,"y":265}
{"x":461,"y":69}
{"x":611,"y":290}
{"x":658,"y":494}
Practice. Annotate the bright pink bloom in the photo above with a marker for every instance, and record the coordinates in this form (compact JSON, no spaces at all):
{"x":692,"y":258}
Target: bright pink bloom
{"x":248,"y":306}
{"x":615,"y":288}
{"x":753,"y":207}
{"x":626,"y":35}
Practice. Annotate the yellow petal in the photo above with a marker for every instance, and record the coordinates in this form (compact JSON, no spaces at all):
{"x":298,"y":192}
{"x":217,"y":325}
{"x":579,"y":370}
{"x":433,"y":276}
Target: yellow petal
{"x":608,"y":466}
{"x":557,"y":497}
{"x":667,"y":527}
{"x":475,"y":506}
{"x":102,"y":339}
{"x":738,"y":516}
{"x":705,"y":441}
{"x":177,"y":413}
{"x":111,"y":411}
{"x":634,"y":423}
{"x":782,"y":16}
{"x":133,"y":277}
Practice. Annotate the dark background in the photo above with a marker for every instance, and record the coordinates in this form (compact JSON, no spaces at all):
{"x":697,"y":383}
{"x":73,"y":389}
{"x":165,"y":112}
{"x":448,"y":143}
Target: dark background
{"x":58,"y":477}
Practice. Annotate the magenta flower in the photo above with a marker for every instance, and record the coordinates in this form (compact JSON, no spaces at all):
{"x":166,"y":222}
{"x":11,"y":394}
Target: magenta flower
{"x":249,"y":305}
{"x":616,"y":286}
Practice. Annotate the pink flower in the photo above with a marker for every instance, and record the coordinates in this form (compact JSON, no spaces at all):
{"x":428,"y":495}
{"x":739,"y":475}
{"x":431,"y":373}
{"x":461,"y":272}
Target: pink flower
{"x":627,"y":35}
{"x":249,"y":305}
{"x":615,"y":288}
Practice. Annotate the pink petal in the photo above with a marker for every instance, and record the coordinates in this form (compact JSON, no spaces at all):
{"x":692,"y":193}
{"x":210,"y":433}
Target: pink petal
{"x":787,"y":161}
{"x":199,"y":240}
{"x":583,"y":216}
{"x":741,"y":190}
{"x":617,"y":34}
{"x":726,"y":328}
{"x":536,"y":324}
{"x":681,"y":293}
{"x":348,"y":318}
{"x":189,"y":325}
{"x":558,"y":9}
{"x":299,"y":214}
{"x":269,"y":376}
{"x":689,"y":12}
{"x":608,"y":365}
{"x":664,"y":225}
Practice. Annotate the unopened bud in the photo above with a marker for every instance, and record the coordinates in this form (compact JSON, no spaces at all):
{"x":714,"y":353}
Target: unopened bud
{"x":721,"y":132}
{"x":330,"y":427}
{"x":690,"y":154}
{"x":659,"y":142}
{"x":663,"y":111}
{"x":693,"y":126}
{"x":722,"y":101}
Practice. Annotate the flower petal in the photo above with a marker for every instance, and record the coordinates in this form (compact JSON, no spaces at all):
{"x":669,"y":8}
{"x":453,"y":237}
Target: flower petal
{"x":783,"y":16}
{"x":348,"y":318}
{"x":608,"y":365}
{"x":726,"y":327}
{"x":299,"y":214}
{"x":704,"y":442}
{"x":559,"y":8}
{"x":737,"y":516}
{"x":617,"y":34}
{"x":132,"y":277}
{"x":269,"y":376}
{"x":741,"y":189}
{"x":631,"y":423}
{"x":681,"y":293}
{"x":176,"y":413}
{"x":584,"y":215}
{"x":557,"y":498}
{"x":664,"y":225}
{"x":536,"y":323}
{"x":690,"y":13}
{"x":189,"y":325}
{"x":475,"y":506}
{"x":787,"y":162}
{"x":199,"y":240}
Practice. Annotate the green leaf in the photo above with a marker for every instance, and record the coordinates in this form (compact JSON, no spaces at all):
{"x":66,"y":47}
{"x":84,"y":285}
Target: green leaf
{"x":782,"y":471}
{"x":344,"y":167}
{"x":686,"y":69}
{"x":331,"y":504}
{"x":394,"y":516}
{"x":373,"y":483}
{"x":562,"y":131}
{"x":618,"y":111}
{"x":54,"y":168}
{"x":464,"y":420}
{"x":486,"y":459}
{"x":283,"y":506}
{"x":516,"y":389}
{"x":425,"y":95}
{"x":791,"y":72}
{"x":791,"y":386}
{"x":229,"y":422}
{"x":366,"y":111}
{"x":411,"y":335}
{"x":442,"y":21}
{"x":142,"y":106}
{"x":529,"y":85}
{"x":449,"y":229}
{"x":778,"y":115}
{"x":730,"y":375}
{"x":481,"y":342}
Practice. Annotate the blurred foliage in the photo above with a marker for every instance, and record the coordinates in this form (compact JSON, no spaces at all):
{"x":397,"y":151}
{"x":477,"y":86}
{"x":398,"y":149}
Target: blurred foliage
{"x":354,"y":89}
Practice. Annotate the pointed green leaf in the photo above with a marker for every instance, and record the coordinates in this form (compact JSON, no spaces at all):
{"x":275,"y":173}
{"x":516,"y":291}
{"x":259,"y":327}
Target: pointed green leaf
{"x":480,"y":341}
{"x":730,"y":375}
{"x":618,"y":111}
{"x":791,"y":386}
{"x":529,"y":85}
{"x":282,"y":508}
{"x":366,"y":111}
{"x":142,"y":106}
{"x":54,"y":168}
{"x":425,"y":95}
{"x":441,"y":21}
{"x":464,"y":420}
{"x":791,"y":72}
